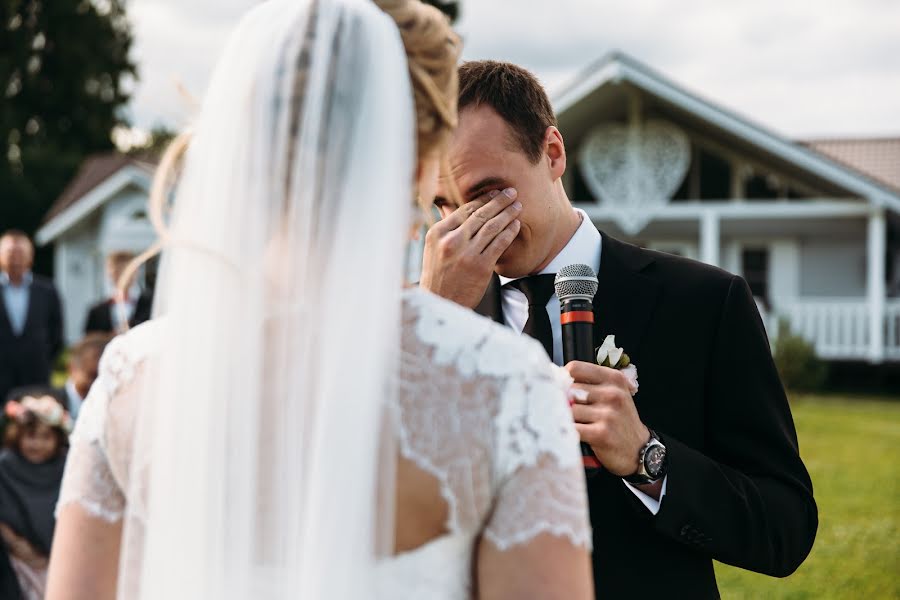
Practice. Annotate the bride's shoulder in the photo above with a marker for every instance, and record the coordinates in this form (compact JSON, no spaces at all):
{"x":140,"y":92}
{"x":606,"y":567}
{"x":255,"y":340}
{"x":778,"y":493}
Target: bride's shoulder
{"x":126,"y":352}
{"x":475,"y":343}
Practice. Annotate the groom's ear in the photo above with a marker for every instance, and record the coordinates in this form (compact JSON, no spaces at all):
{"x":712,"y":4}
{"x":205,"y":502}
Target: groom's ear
{"x":555,"y":152}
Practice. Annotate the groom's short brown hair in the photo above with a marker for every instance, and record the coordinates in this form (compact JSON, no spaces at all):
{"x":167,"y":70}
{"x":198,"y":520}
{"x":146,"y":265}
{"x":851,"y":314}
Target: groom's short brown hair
{"x":515,"y":94}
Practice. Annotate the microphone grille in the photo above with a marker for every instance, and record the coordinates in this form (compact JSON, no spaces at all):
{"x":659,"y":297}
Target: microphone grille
{"x":575,"y":281}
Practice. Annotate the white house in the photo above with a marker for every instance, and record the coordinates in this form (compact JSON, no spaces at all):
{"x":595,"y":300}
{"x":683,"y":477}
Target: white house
{"x":813,"y":227}
{"x":102,"y":210}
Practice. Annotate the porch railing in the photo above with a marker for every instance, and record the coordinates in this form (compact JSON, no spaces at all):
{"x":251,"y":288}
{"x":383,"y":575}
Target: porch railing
{"x":839,"y":328}
{"x":892,"y":330}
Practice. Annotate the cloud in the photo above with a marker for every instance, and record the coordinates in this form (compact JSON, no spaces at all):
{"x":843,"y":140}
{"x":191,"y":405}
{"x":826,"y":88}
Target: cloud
{"x":800,"y":68}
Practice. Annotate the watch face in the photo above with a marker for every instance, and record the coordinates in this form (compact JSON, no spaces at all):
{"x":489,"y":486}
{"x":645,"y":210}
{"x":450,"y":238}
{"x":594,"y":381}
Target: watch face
{"x":654,"y":460}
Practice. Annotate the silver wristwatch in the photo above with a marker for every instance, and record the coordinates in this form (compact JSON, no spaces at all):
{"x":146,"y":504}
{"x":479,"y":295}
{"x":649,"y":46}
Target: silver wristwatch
{"x":652,"y":462}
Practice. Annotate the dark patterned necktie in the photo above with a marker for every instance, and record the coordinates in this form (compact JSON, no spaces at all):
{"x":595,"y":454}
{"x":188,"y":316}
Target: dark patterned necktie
{"x":537,"y":289}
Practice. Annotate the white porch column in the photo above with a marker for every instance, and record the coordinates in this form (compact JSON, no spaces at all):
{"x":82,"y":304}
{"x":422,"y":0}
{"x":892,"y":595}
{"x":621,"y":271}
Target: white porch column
{"x":875,"y":287}
{"x":709,"y":237}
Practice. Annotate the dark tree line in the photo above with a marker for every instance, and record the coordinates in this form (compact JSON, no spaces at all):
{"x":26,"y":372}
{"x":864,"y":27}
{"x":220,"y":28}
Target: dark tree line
{"x":65,"y":79}
{"x":65,"y":75}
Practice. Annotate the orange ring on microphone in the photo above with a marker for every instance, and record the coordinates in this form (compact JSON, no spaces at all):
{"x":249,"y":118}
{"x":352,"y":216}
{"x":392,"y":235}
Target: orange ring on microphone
{"x":576,"y":316}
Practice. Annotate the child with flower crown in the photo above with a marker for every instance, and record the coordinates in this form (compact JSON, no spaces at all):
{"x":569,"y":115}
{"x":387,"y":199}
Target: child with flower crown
{"x":31,"y":469}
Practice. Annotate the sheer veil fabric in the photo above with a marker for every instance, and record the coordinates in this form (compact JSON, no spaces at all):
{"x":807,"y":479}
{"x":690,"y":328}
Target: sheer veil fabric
{"x":259,"y":438}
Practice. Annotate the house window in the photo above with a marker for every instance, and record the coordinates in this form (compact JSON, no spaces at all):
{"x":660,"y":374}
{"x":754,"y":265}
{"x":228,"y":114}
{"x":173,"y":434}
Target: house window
{"x":760,"y":187}
{"x":715,"y":177}
{"x":755,"y":267}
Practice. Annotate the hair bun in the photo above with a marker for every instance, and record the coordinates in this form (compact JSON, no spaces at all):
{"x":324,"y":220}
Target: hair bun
{"x":432,"y":51}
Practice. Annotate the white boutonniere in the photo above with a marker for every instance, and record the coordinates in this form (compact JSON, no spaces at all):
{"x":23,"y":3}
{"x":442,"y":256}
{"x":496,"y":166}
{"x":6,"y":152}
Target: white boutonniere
{"x":608,"y":355}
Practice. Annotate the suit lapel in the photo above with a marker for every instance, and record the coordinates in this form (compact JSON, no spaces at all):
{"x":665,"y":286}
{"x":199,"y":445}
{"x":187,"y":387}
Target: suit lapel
{"x":626,"y":295}
{"x":490,"y":305}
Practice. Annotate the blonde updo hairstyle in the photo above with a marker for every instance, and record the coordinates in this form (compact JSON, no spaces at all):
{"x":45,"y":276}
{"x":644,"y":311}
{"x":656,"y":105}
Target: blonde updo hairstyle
{"x":432,"y":51}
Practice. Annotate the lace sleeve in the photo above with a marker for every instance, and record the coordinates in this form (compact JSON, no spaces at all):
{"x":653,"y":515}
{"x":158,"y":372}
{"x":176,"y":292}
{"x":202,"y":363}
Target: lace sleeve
{"x":88,"y":479}
{"x":542,"y":487}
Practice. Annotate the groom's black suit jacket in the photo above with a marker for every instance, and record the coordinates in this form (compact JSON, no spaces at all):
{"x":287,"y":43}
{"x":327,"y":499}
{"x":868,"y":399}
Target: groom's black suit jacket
{"x":737,"y":491}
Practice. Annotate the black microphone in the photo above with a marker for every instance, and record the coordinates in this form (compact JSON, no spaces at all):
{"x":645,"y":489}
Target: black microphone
{"x":576,"y":286}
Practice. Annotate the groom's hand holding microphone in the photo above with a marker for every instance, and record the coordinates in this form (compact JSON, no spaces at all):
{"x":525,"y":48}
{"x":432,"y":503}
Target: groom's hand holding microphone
{"x":462,"y":249}
{"x":606,"y":417}
{"x":604,"y":411}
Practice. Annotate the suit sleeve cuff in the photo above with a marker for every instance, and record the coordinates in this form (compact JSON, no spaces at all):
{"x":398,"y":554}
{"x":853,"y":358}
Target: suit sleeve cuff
{"x":651,"y":503}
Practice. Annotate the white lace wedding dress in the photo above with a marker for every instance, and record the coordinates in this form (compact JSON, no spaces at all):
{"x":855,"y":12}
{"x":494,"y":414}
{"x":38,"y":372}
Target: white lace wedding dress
{"x":481,"y":409}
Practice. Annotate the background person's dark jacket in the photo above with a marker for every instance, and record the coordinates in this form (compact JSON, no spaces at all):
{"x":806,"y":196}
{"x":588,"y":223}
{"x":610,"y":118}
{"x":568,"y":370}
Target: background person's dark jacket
{"x":99,"y":318}
{"x":28,"y":358}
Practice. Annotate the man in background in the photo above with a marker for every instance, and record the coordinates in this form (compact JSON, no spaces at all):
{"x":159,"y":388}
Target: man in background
{"x":122,"y":308}
{"x":31,"y":323}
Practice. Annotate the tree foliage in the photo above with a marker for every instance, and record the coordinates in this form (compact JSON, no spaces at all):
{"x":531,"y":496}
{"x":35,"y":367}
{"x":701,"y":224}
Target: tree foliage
{"x":65,"y":74}
{"x":801,"y":370}
{"x":158,"y":139}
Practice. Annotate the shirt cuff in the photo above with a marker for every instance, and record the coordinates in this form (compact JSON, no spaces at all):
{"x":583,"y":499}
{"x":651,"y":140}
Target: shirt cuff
{"x":651,"y":504}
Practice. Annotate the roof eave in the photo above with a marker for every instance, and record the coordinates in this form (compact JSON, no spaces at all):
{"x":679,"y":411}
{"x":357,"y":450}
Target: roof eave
{"x":617,"y":67}
{"x":87,"y":204}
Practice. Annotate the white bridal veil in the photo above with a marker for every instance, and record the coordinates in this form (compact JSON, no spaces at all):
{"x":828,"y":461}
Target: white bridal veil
{"x":259,"y":440}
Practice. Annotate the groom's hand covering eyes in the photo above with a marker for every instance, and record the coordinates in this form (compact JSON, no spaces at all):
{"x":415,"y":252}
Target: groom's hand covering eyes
{"x":462,"y":249}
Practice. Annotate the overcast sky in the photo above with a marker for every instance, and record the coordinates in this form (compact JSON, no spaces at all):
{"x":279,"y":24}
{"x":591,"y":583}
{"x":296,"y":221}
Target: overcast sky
{"x":804,"y":68}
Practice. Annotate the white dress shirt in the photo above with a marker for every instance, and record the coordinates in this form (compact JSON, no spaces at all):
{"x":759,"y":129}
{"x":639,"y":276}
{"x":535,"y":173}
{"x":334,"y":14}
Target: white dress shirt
{"x":122,"y":309}
{"x":73,"y":399}
{"x":585,"y":248}
{"x":16,"y":298}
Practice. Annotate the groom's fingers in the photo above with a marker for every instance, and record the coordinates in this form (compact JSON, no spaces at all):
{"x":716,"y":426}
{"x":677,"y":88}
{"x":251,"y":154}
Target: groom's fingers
{"x":455,"y":220}
{"x":496,"y":226}
{"x":460,"y":220}
{"x":501,"y":242}
{"x":593,"y":374}
{"x":485,"y":216}
{"x":585,"y":413}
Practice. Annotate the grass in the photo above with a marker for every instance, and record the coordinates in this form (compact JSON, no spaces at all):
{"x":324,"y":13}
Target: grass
{"x":850,"y":446}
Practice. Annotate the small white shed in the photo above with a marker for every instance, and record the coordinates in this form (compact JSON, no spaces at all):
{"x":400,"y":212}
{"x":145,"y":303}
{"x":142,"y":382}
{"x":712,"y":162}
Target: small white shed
{"x":102,"y":210}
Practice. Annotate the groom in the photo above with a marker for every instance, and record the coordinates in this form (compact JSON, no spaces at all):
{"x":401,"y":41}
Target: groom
{"x":703,"y":462}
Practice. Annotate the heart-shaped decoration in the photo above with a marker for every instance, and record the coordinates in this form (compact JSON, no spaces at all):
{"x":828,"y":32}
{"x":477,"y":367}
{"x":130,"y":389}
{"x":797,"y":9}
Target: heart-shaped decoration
{"x":635,"y":170}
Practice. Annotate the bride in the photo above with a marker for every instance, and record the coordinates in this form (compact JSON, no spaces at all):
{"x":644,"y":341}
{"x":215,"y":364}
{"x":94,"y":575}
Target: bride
{"x":295,"y":424}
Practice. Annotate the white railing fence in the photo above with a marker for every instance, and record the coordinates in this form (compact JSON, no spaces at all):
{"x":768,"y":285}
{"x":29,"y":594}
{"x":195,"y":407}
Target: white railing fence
{"x":839,"y":328}
{"x":892,"y":330}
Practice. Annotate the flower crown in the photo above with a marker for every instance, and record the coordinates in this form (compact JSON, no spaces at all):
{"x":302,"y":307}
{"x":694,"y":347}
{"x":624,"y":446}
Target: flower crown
{"x":45,"y":409}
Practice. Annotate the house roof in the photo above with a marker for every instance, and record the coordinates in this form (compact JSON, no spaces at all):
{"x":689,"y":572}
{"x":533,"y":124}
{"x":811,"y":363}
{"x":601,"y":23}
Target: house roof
{"x":879,"y":158}
{"x":92,"y":172}
{"x":99,"y":177}
{"x":617,"y":67}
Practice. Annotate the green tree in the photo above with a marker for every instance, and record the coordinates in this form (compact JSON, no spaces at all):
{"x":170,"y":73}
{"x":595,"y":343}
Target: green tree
{"x":159,"y":138}
{"x":801,"y":370}
{"x":65,"y":73}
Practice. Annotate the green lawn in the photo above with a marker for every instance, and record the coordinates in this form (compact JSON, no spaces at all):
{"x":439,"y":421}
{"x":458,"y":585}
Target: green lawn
{"x":850,"y":446}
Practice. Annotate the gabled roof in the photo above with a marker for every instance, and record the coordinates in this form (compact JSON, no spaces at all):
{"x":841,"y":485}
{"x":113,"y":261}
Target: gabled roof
{"x":616,"y":68}
{"x":99,"y":177}
{"x":878,"y":158}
